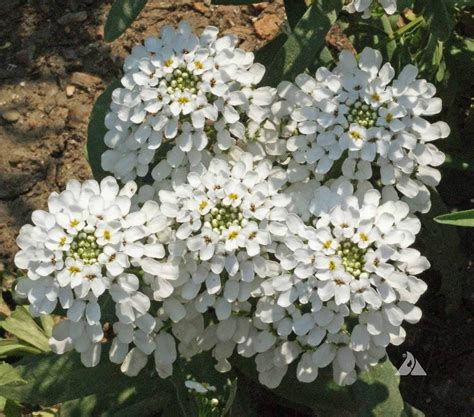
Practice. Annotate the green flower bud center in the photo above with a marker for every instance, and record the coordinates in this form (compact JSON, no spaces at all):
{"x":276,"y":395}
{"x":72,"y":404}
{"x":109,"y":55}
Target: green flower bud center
{"x":221,"y":217}
{"x":181,"y":80}
{"x":352,"y":257}
{"x":84,"y":247}
{"x":362,"y":114}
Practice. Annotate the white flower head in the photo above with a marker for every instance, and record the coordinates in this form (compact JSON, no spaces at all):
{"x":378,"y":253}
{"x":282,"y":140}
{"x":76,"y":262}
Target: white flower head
{"x":222,"y":218}
{"x":348,"y":281}
{"x":80,"y":249}
{"x":181,"y":94}
{"x":372,"y":122}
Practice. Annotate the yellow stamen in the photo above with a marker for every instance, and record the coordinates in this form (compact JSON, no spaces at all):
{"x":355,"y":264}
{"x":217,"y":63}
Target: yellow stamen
{"x":363,"y":237}
{"x":107,"y":235}
{"x":198,"y":64}
{"x":327,"y":244}
{"x":168,"y":62}
{"x":183,"y":100}
{"x":233,"y":235}
{"x":332,"y":265}
{"x":62,"y":241}
{"x":356,"y":135}
{"x":203,"y":204}
{"x":73,"y":223}
{"x":74,"y":269}
{"x":233,"y":196}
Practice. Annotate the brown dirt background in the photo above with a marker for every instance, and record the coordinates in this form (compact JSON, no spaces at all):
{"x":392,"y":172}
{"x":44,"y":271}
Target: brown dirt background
{"x":54,"y":64}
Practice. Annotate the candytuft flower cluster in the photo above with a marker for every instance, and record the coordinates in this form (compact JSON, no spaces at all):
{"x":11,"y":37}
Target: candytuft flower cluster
{"x":277,"y":224}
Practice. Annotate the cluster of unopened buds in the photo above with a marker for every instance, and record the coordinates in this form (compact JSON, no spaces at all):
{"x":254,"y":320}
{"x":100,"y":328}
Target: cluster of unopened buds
{"x":279,"y":222}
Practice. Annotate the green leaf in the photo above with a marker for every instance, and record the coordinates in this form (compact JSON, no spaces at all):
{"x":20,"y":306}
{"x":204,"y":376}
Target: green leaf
{"x":305,"y":43}
{"x":459,"y":218}
{"x":134,"y":401}
{"x":12,"y":409}
{"x":9,"y":376}
{"x":121,"y":16}
{"x":295,"y":9}
{"x":22,"y":325}
{"x":375,"y":393}
{"x":51,"y":379}
{"x":266,"y":54}
{"x":13,"y":347}
{"x":97,"y":130}
{"x":438,"y":17}
{"x":47,"y":323}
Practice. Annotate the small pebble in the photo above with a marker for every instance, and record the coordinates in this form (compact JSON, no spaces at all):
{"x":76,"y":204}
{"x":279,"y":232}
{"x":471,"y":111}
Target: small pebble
{"x":70,"y":89}
{"x":11,"y":116}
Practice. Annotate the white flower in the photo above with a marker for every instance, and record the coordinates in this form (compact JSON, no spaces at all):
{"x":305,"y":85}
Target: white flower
{"x":222,"y":216}
{"x":353,"y":257}
{"x":180,"y":94}
{"x":80,"y":250}
{"x":365,"y":6}
{"x":371,"y":121}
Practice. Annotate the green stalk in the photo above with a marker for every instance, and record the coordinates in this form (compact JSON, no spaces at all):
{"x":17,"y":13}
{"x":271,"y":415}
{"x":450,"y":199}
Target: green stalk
{"x":391,"y":44}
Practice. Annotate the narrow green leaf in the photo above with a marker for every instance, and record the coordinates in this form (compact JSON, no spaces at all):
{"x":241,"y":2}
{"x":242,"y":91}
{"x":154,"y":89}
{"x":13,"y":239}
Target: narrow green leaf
{"x":121,"y":16}
{"x":22,"y":325}
{"x":266,"y":54}
{"x":97,"y":130}
{"x":304,"y":43}
{"x":295,"y":9}
{"x":13,"y":347}
{"x":459,"y":218}
{"x":47,"y":323}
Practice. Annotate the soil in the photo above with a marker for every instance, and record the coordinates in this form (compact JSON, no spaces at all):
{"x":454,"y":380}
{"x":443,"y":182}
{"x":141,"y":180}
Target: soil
{"x":54,"y":64}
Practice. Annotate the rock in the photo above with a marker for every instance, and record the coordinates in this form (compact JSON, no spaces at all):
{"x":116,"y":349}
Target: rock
{"x":78,"y":116}
{"x":70,"y":89}
{"x":11,"y":116}
{"x":85,"y":80}
{"x":69,"y":18}
{"x":267,"y":26}
{"x":200,"y":7}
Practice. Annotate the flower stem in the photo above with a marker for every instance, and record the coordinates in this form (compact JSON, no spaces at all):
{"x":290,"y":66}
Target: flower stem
{"x":391,"y":45}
